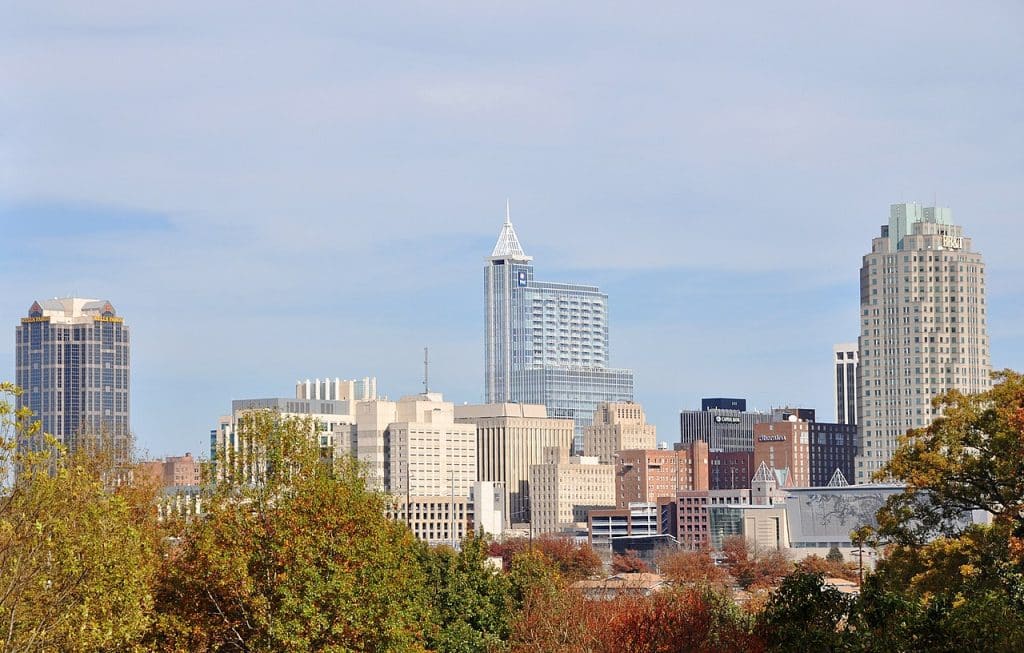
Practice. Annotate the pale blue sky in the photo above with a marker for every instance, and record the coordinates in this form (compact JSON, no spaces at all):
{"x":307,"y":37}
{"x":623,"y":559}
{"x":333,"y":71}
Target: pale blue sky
{"x":269,"y":194}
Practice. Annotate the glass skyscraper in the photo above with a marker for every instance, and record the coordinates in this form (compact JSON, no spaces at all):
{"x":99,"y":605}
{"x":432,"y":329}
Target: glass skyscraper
{"x":546,"y":343}
{"x":72,"y":362}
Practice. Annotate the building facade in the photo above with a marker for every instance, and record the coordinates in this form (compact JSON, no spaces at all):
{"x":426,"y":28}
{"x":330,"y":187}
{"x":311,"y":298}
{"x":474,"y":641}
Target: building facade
{"x":785,"y":447}
{"x":546,"y":343}
{"x":618,"y":426}
{"x":72,"y":360}
{"x":644,"y":475}
{"x":565,"y":489}
{"x":730,"y":470}
{"x":509,"y":439}
{"x":724,"y":429}
{"x":844,"y":382}
{"x":923,"y":327}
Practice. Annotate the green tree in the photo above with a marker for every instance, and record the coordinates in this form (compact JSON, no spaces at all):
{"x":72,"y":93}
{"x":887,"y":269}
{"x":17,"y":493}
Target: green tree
{"x":805,"y":614}
{"x":293,"y":554}
{"x":472,"y":601}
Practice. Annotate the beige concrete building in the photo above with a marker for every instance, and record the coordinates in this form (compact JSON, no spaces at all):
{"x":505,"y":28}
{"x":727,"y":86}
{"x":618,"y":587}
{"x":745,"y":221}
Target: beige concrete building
{"x":448,"y":519}
{"x":563,"y":489}
{"x":509,"y":439}
{"x":429,"y":453}
{"x":618,"y":426}
{"x":644,"y":475}
{"x":923,"y":327}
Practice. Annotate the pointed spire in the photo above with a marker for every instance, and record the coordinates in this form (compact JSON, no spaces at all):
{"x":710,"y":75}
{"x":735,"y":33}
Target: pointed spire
{"x":508,"y":243}
{"x":838,"y":479}
{"x":763,"y":474}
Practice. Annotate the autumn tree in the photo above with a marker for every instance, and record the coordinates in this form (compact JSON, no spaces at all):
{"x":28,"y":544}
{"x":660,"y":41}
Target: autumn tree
{"x":573,"y":560}
{"x":75,"y":558}
{"x":948,"y":584}
{"x":629,"y":563}
{"x":753,"y":567}
{"x":294,"y":554}
{"x":690,"y":567}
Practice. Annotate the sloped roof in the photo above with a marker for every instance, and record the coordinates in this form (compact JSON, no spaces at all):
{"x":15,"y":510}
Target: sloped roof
{"x":838,"y":480}
{"x":508,"y":243}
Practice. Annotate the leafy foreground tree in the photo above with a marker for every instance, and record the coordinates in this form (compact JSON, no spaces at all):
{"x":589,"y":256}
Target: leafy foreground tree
{"x":75,"y":560}
{"x":804,"y":614}
{"x":472,"y":602}
{"x":946,"y":585}
{"x":966,"y":587}
{"x":294,"y":554}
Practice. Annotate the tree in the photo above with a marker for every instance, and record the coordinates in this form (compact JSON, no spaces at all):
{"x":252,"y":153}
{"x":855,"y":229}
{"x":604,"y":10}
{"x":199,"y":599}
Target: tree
{"x":294,"y":554}
{"x":753,"y":567}
{"x":472,"y":602}
{"x":804,"y":614}
{"x":948,"y":584}
{"x":574,"y":561}
{"x":969,"y":458}
{"x":629,"y":563}
{"x":689,"y":567}
{"x":75,"y":558}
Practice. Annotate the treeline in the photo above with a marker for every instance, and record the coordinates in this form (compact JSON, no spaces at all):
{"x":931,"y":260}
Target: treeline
{"x":300,"y":557}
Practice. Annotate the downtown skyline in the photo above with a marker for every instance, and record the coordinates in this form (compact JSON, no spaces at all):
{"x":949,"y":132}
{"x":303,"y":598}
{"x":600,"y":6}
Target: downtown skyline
{"x":723,"y":207}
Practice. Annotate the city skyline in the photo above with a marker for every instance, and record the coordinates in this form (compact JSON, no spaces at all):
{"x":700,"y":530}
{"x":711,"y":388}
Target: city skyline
{"x":720,"y":185}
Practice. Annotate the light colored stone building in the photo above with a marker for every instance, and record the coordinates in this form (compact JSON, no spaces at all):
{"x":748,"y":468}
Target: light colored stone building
{"x":923,"y":327}
{"x":564,"y":489}
{"x":617,"y":426}
{"x":509,"y":439}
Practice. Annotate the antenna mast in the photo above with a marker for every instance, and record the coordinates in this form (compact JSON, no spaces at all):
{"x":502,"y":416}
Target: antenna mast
{"x":426,"y":370}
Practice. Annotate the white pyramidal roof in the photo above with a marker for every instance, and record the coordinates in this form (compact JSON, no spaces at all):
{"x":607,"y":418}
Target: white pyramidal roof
{"x":763,"y":474}
{"x":838,"y":480}
{"x":508,"y":243}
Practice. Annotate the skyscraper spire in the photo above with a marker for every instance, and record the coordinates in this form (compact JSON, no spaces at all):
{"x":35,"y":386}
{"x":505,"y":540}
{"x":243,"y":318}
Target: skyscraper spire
{"x":508,"y":243}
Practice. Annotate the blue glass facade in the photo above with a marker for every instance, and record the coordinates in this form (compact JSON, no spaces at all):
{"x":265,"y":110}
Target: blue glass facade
{"x":546,"y":343}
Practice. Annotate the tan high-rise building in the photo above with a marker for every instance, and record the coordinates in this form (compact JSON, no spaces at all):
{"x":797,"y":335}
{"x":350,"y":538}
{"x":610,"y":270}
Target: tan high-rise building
{"x":510,"y":438}
{"x":644,"y":475}
{"x":923,"y":327}
{"x":618,"y":426}
{"x":564,"y":489}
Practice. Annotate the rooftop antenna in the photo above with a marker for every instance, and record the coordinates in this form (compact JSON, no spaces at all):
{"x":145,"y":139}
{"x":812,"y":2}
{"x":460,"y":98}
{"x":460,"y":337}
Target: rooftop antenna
{"x":426,"y":370}
{"x":508,"y":212}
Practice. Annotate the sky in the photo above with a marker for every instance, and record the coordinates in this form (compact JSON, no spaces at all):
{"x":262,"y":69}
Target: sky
{"x":270,"y":192}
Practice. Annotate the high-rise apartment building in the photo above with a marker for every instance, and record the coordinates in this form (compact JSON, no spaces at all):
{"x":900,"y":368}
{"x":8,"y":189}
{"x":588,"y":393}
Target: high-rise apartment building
{"x":546,"y":343}
{"x":618,"y":426}
{"x":844,"y":382}
{"x":509,"y":439}
{"x":72,"y":361}
{"x":922,"y":327}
